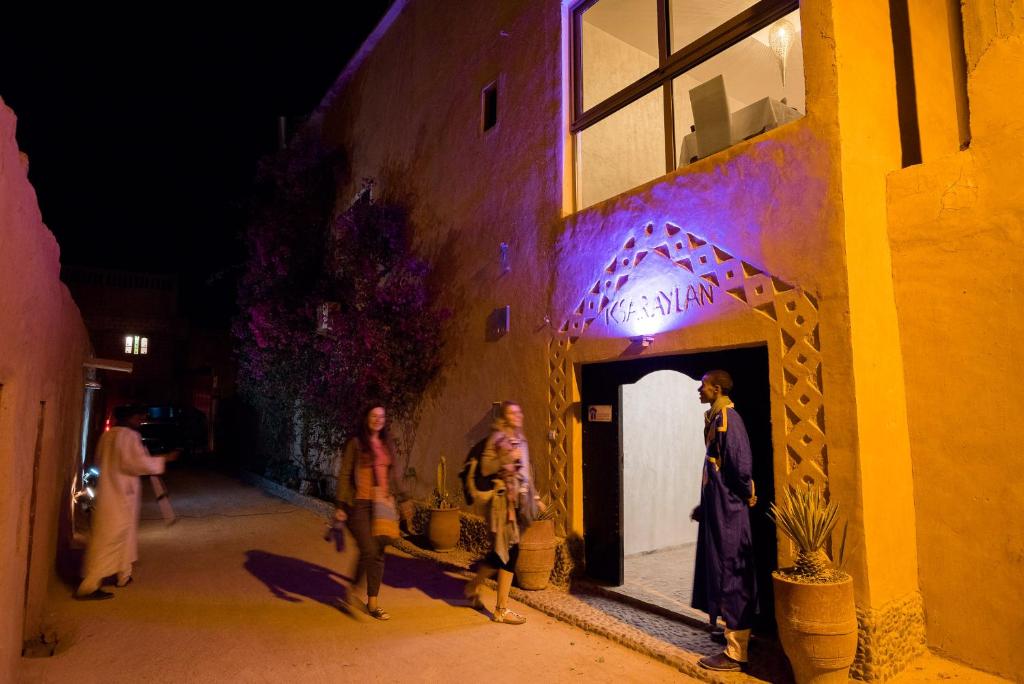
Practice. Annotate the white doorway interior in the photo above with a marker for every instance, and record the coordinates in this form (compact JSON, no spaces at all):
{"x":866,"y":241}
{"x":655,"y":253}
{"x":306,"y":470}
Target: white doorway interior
{"x":662,"y":433}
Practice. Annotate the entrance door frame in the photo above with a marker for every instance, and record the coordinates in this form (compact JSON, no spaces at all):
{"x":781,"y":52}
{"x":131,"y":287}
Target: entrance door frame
{"x":602,"y":458}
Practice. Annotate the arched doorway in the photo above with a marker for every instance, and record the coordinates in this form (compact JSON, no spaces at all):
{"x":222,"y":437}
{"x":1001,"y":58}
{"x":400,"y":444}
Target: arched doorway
{"x":662,"y":459}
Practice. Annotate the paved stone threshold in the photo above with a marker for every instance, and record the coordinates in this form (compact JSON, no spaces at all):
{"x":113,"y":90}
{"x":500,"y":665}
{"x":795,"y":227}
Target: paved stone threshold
{"x":648,"y":628}
{"x":603,"y":612}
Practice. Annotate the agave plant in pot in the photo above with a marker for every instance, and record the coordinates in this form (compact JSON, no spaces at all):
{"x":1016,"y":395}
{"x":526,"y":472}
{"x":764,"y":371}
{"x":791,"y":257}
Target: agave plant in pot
{"x":814,"y":603}
{"x":444,"y":528}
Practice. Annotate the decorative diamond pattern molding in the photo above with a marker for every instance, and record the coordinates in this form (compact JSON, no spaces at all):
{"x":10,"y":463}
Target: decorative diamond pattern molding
{"x":559,"y":424}
{"x":794,"y":311}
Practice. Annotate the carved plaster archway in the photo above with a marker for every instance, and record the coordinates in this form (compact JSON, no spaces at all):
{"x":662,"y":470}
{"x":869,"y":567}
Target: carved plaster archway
{"x":794,"y":311}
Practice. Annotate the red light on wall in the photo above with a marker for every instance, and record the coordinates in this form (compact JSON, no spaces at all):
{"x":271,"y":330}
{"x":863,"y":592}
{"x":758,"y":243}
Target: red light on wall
{"x":106,"y":425}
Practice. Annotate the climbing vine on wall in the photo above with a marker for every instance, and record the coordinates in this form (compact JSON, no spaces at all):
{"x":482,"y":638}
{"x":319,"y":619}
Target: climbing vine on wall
{"x":384,"y":342}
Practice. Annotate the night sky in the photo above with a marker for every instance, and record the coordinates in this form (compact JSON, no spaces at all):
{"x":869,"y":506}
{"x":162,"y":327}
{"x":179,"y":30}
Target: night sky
{"x":143,"y":142}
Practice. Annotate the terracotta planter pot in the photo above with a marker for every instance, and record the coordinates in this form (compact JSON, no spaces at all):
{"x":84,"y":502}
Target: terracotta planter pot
{"x":536,"y":555}
{"x":443,"y":530}
{"x":818,"y":628}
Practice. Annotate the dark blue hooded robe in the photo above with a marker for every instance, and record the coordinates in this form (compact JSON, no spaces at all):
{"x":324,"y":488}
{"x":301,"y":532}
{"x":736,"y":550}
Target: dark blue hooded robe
{"x":724,"y":583}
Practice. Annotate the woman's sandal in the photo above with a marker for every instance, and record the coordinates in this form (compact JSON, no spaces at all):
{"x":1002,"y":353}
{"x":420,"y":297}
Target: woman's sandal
{"x":508,"y":617}
{"x":379,"y":614}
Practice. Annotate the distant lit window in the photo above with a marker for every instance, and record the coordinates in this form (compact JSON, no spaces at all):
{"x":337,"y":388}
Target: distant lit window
{"x":659,"y":84}
{"x":133,"y":344}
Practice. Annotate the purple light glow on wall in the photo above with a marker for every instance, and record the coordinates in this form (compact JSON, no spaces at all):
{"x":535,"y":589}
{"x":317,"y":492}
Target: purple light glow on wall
{"x":659,"y":296}
{"x":690,"y":248}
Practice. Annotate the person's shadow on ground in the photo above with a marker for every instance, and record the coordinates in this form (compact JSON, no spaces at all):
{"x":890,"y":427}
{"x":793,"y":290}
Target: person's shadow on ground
{"x":415,"y":573}
{"x":289,"y":579}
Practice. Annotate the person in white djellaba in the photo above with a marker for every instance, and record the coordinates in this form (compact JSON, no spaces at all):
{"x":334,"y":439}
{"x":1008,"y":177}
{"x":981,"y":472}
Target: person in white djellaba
{"x":113,"y":542}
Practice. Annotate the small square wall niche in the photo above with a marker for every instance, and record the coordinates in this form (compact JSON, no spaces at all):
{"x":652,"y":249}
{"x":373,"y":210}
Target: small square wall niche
{"x":489,"y":107}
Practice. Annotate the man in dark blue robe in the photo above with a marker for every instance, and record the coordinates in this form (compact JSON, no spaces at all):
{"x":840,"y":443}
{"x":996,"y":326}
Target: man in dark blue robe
{"x":724,"y":582}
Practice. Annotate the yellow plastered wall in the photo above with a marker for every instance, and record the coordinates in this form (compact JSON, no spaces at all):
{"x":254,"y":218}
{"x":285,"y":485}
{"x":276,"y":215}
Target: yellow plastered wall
{"x":870,"y":148}
{"x":474,"y":190}
{"x":957,"y":233}
{"x":409,"y":117}
{"x":910,"y":268}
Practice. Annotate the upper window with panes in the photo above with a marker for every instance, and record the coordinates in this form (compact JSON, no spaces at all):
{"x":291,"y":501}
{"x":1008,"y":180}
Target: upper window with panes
{"x":659,"y":84}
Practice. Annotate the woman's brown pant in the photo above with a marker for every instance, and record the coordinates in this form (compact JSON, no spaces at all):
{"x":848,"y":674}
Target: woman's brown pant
{"x":371,"y":548}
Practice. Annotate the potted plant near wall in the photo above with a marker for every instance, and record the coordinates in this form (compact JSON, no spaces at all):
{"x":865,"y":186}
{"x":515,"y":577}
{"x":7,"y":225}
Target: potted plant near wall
{"x":814,"y":603}
{"x":443,"y":531}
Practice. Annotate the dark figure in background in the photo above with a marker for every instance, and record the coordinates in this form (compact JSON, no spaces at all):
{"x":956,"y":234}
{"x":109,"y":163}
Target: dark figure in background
{"x":724,"y":582}
{"x":368,"y":486}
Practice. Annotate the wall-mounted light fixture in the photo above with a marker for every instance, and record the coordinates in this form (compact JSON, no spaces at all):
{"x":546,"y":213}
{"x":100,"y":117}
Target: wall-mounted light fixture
{"x":643,"y":341}
{"x":506,"y":266}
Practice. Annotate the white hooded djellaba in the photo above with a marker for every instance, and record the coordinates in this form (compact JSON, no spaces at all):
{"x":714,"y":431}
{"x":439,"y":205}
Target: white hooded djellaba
{"x":122,"y":459}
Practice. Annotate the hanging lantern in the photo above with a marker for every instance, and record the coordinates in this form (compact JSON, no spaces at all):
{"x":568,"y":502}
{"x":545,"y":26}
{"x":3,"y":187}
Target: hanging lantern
{"x":781,"y":36}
